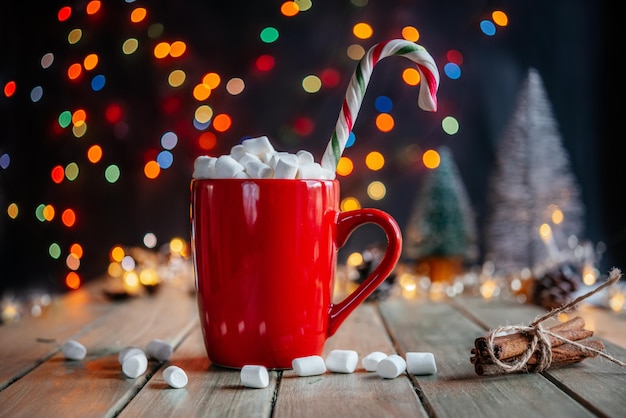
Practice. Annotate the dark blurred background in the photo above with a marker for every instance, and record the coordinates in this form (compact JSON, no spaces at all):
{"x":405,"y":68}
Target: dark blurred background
{"x":573,"y":44}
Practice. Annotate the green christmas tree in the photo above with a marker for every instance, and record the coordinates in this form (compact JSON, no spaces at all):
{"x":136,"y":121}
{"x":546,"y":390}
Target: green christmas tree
{"x":442,"y":224}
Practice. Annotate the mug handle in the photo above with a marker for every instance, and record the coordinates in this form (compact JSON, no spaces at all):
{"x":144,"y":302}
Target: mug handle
{"x":347,"y":222}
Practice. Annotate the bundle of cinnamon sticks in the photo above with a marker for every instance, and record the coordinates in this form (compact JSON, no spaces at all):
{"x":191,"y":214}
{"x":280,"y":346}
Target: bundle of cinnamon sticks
{"x":511,"y":348}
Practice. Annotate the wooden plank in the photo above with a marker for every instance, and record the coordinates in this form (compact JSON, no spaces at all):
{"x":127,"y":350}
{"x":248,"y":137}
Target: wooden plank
{"x":33,"y":339}
{"x":362,"y":393}
{"x":422,"y":325}
{"x":212,"y":391}
{"x":596,"y":382}
{"x":96,"y":386}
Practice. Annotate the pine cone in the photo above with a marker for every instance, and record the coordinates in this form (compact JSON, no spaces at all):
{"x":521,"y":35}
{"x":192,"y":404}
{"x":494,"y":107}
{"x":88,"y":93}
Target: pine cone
{"x":556,"y":287}
{"x":372,"y":256}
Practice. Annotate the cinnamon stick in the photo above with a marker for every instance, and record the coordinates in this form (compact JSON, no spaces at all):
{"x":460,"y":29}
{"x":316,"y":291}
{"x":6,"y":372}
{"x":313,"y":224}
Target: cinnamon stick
{"x":507,"y":346}
{"x":562,"y":355}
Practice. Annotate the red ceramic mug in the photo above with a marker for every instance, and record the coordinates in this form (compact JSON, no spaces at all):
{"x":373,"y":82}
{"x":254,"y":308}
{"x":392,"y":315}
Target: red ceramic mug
{"x":265,"y":253}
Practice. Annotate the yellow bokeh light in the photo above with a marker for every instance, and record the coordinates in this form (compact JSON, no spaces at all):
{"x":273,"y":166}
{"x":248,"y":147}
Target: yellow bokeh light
{"x":431,"y":159}
{"x":557,"y":216}
{"x":130,"y":46}
{"x":48,"y":212}
{"x":376,"y":190}
{"x":410,"y":33}
{"x":177,"y":245}
{"x":79,"y":130}
{"x":203,"y":114}
{"x":411,"y":76}
{"x":355,"y":52}
{"x":350,"y":203}
{"x":354,"y":259}
{"x":311,"y":84}
{"x":545,"y":231}
{"x":115,"y":269}
{"x":176,"y":78}
{"x":148,"y":277}
{"x":385,"y":122}
{"x":13,"y":210}
{"x":74,"y":36}
{"x":374,"y":160}
{"x":344,"y":166}
{"x":362,"y":30}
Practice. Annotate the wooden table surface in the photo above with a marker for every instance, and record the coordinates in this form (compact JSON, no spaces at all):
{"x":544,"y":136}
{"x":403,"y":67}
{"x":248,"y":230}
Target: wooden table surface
{"x":37,"y":381}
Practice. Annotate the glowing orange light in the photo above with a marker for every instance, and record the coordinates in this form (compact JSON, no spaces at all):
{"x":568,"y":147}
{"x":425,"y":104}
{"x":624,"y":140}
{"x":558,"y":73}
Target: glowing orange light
{"x":201,"y":92}
{"x":152,"y":169}
{"x":384,"y":122}
{"x":410,"y":33}
{"x":212,"y":80}
{"x":362,"y":30}
{"x":431,"y":159}
{"x":374,"y":161}
{"x":9,"y":88}
{"x":79,"y":117}
{"x":411,"y":76}
{"x":222,"y":122}
{"x":90,"y":62}
{"x":117,"y":254}
{"x":68,"y":217}
{"x":77,"y":250}
{"x":207,"y":140}
{"x":138,"y":14}
{"x":93,"y":7}
{"x":48,"y":212}
{"x":177,"y":48}
{"x":162,"y":50}
{"x":500,"y":18}
{"x":57,"y":174}
{"x":289,"y":8}
{"x":72,"y":280}
{"x":64,"y":13}
{"x":74,"y":71}
{"x":265,"y":63}
{"x":94,"y":153}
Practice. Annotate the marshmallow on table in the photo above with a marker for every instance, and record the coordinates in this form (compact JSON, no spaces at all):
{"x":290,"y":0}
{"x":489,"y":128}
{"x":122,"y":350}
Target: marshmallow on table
{"x":159,"y":350}
{"x":308,"y":366}
{"x":73,"y":350}
{"x":391,"y":366}
{"x":175,"y":377}
{"x":127,"y":352}
{"x":135,"y":365}
{"x":342,"y":361}
{"x":253,"y":376}
{"x":370,"y":361}
{"x":421,"y":363}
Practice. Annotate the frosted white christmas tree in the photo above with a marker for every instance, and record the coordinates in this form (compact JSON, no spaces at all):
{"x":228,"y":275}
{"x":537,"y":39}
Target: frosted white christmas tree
{"x":531,"y":186}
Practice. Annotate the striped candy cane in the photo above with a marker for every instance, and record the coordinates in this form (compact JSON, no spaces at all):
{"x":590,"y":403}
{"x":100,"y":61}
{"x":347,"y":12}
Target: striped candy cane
{"x":358,"y":84}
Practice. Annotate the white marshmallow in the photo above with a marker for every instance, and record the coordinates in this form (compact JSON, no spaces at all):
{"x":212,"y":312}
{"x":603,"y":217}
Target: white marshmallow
{"x":327,"y":174}
{"x":126,"y":352}
{"x":370,"y":361}
{"x":254,"y":376}
{"x":175,"y":377}
{"x":73,"y":350}
{"x":159,"y":350}
{"x":309,"y":366}
{"x":237,"y":152}
{"x":259,"y":170}
{"x":421,"y":363}
{"x":286,"y":167}
{"x":242,"y":175}
{"x":342,"y":361}
{"x":135,"y":365}
{"x":305,"y":157}
{"x":246,"y":158}
{"x":226,"y":167}
{"x":204,"y":167}
{"x":309,"y":171}
{"x":391,"y":366}
{"x":258,"y":146}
